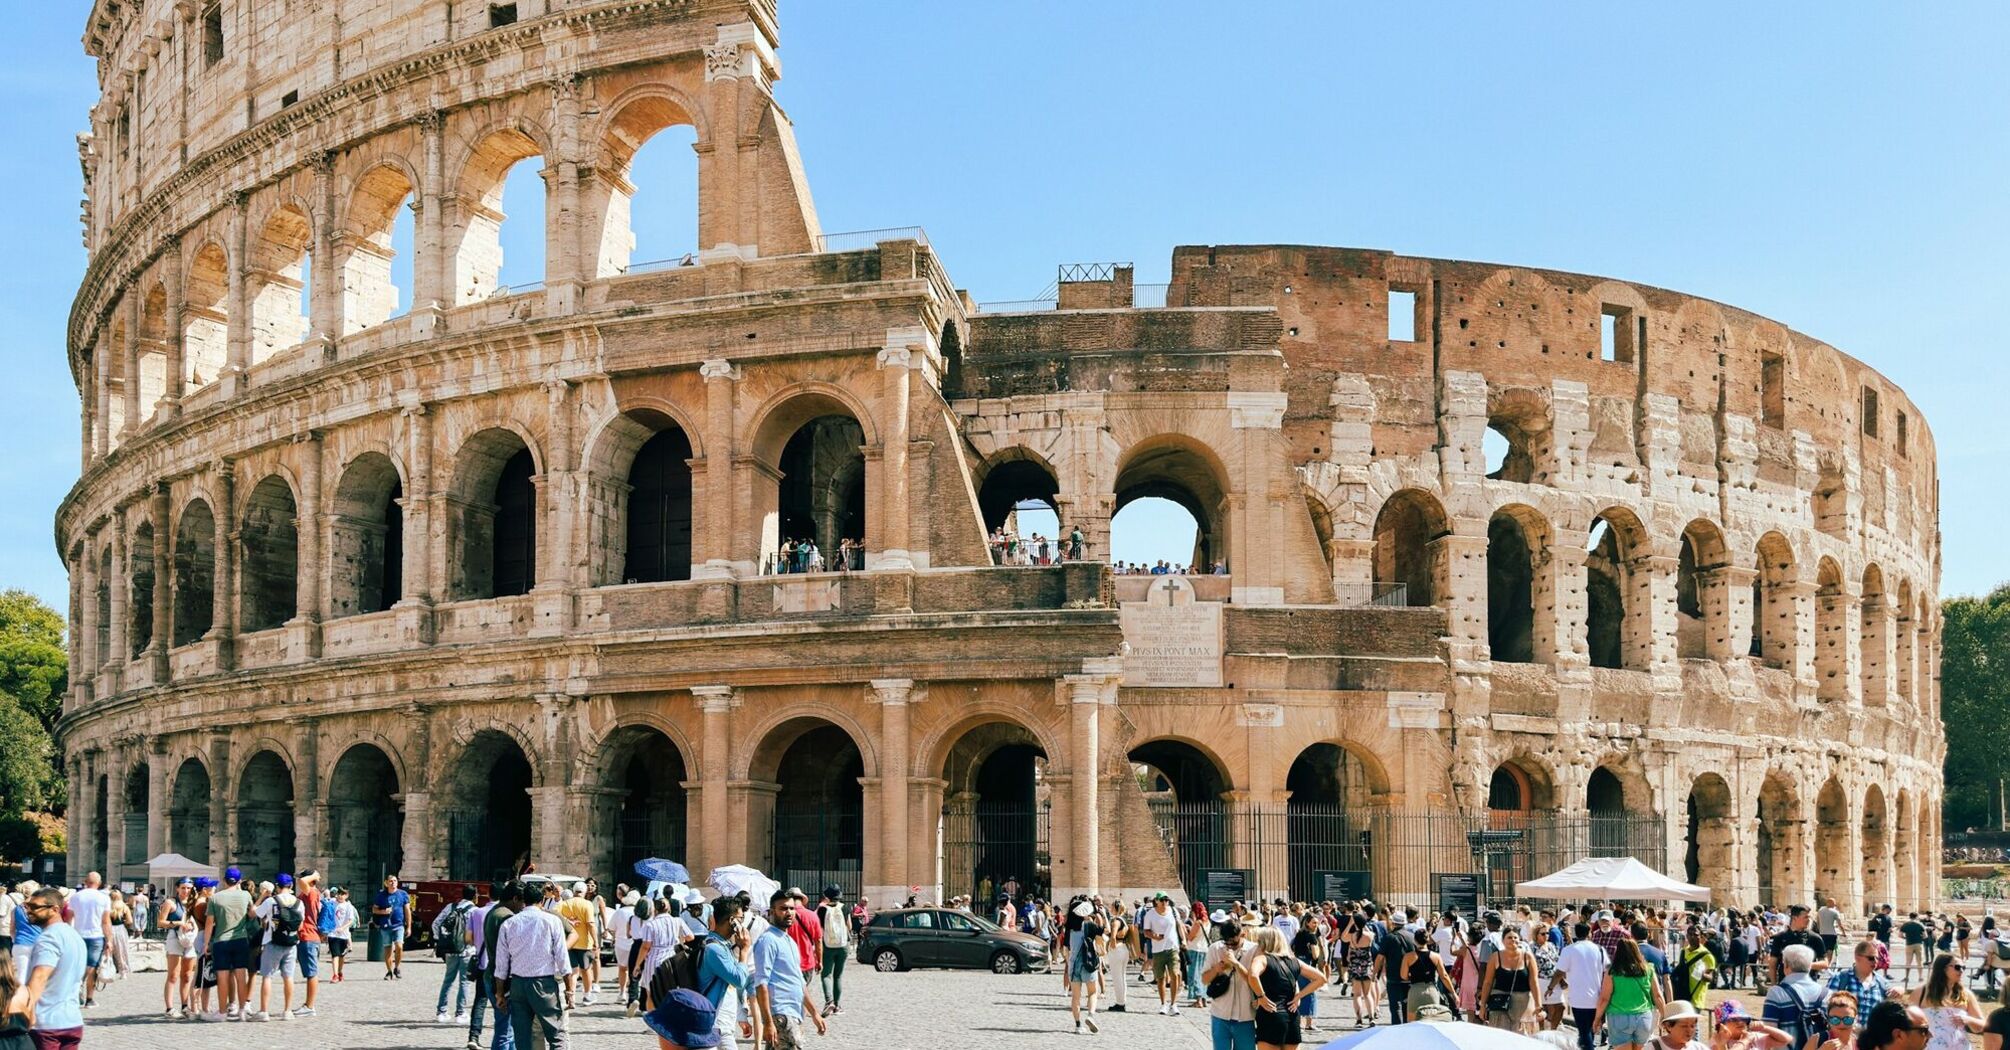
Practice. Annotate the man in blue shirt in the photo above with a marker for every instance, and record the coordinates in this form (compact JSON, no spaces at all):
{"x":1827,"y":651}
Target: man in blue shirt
{"x":55,"y":974}
{"x":778,"y":980}
{"x":390,"y":913}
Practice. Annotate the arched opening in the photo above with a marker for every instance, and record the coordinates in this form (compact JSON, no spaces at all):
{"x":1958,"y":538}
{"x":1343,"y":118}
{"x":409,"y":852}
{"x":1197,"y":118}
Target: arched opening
{"x":1778,"y":841}
{"x":1613,"y":601}
{"x":1831,"y":632}
{"x":1709,"y":846}
{"x":103,"y":600}
{"x":647,"y":773}
{"x":1184,"y":789}
{"x":817,"y":828}
{"x":1702,"y":603}
{"x":366,"y":538}
{"x":820,"y":496}
{"x":375,"y":252}
{"x":366,"y":826}
{"x":194,"y":573}
{"x":659,"y":508}
{"x":265,"y":816}
{"x":1325,"y":824}
{"x":647,"y":188}
{"x":488,"y":828}
{"x":1516,"y":538}
{"x":1407,"y":552}
{"x":188,"y":812}
{"x":1874,"y":634}
{"x":138,"y":790}
{"x":1832,"y":853}
{"x":267,"y":576}
{"x":502,"y":228}
{"x":278,"y":282}
{"x":1019,"y":501}
{"x":205,"y":316}
{"x":495,"y":508}
{"x":140,"y":601}
{"x":1773,"y":631}
{"x":996,"y":814}
{"x":1877,"y":859}
{"x":1170,"y":507}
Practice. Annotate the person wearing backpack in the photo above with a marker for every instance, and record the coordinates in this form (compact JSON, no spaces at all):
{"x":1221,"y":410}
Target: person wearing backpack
{"x":455,"y":947}
{"x":282,"y":913}
{"x":1794,"y":1005}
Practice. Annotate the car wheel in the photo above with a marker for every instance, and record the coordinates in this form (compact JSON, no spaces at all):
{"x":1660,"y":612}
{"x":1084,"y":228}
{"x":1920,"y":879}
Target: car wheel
{"x":886,"y":961}
{"x":1006,"y":962}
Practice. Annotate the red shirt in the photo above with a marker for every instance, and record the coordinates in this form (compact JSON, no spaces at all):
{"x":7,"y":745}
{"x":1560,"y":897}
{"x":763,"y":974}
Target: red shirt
{"x":808,"y":934}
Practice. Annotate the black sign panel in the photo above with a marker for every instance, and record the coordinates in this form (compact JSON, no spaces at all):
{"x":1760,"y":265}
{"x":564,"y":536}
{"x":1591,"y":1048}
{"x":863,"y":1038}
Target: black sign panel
{"x":1342,"y":886}
{"x":1220,"y":887}
{"x":1460,"y":893}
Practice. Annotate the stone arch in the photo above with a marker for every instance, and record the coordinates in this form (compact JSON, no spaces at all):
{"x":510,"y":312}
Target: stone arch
{"x":205,"y":314}
{"x":645,"y":812}
{"x":1407,"y":530}
{"x":188,"y":811}
{"x":810,"y":801}
{"x":1775,"y":635}
{"x":365,"y":820}
{"x":476,"y":237}
{"x":1521,"y":603}
{"x":813,"y":439}
{"x":641,"y":487}
{"x":633,"y":119}
{"x":996,"y":805}
{"x":1777,"y":844}
{"x":366,"y":536}
{"x":1710,"y":838}
{"x":194,"y":572}
{"x":1522,"y":422}
{"x":1702,"y":593}
{"x":1879,"y":883}
{"x":140,"y":590}
{"x":488,"y":805}
{"x":265,"y":813}
{"x":1831,"y":631}
{"x":269,"y":562}
{"x":1833,"y":859}
{"x":493,"y":507}
{"x":1186,"y":471}
{"x":1874,"y":638}
{"x":365,"y":252}
{"x":1618,"y":591}
{"x":277,"y":279}
{"x":1013,"y":476}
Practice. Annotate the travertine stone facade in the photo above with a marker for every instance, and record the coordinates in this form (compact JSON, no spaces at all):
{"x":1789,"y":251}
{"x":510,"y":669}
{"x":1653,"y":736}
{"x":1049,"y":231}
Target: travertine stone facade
{"x":432,"y":582}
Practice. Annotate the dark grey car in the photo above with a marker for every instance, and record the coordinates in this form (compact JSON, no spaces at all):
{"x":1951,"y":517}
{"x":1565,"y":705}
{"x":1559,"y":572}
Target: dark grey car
{"x":910,"y":937}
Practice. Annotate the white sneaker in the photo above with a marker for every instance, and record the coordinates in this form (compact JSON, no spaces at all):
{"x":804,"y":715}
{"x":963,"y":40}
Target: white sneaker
{"x":444,"y":1018}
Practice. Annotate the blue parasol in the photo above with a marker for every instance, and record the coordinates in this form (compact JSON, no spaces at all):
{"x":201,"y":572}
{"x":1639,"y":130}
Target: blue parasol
{"x":660,"y":870}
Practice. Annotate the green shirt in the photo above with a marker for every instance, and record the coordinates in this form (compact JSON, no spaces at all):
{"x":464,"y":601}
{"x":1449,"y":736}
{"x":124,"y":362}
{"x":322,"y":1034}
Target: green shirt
{"x":1631,"y":995}
{"x":231,"y":911}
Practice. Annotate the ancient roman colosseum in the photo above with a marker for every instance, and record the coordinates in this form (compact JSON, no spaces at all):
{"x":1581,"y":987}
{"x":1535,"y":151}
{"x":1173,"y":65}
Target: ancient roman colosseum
{"x":1515,"y":565}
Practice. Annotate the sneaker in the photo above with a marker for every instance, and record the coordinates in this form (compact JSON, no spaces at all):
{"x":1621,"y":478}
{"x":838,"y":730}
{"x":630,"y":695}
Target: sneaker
{"x":1091,"y":1022}
{"x":444,"y":1018}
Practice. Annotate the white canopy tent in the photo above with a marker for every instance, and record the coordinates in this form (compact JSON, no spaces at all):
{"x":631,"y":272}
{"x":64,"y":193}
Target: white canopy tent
{"x":1610,"y":878}
{"x":169,"y":867}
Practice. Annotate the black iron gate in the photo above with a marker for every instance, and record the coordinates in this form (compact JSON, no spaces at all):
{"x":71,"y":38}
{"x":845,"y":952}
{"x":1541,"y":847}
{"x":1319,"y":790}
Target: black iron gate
{"x":989,"y":846}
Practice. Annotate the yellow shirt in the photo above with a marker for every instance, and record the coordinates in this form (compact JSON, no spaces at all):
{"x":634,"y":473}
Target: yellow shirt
{"x":578,"y":913}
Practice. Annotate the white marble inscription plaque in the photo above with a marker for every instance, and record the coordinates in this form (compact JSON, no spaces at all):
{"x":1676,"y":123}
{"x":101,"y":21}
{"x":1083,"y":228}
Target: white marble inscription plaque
{"x":1172,"y":641}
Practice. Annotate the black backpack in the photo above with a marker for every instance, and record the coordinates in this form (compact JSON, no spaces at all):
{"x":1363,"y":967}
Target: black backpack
{"x":286,"y":920}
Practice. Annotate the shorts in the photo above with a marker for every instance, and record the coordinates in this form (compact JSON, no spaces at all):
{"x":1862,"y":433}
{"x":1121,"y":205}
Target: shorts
{"x":94,"y":952}
{"x":788,"y":1033}
{"x":1165,"y":965}
{"x":279,"y":960}
{"x":231,"y":955}
{"x":1629,"y":1028}
{"x":309,"y":954}
{"x":338,"y":947}
{"x":576,"y":958}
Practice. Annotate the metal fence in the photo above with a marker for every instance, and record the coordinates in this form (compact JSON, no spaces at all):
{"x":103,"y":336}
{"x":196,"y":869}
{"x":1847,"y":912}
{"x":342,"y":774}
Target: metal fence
{"x":1307,"y":851}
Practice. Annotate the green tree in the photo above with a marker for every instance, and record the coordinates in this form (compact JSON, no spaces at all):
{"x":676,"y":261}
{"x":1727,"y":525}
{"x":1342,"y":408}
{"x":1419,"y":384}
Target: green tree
{"x":1975,"y":704}
{"x":34,"y":667}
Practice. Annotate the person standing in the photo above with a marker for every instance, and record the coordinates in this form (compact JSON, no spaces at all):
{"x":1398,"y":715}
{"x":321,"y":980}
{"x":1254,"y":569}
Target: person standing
{"x":55,"y":976}
{"x":531,"y":961}
{"x":1160,"y":928}
{"x":91,"y":916}
{"x":837,"y":944}
{"x":780,"y":992}
{"x":455,"y":948}
{"x":390,"y":915}
{"x":227,"y":930}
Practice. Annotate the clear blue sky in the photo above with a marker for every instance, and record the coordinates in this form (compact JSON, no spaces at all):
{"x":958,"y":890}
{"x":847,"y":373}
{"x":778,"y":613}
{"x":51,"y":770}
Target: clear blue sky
{"x":1841,"y":168}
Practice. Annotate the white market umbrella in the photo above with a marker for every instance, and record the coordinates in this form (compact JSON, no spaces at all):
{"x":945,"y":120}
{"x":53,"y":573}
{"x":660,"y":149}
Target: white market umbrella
{"x":1435,"y":1035}
{"x":1610,"y":878}
{"x":169,"y":867}
{"x":733,"y":878}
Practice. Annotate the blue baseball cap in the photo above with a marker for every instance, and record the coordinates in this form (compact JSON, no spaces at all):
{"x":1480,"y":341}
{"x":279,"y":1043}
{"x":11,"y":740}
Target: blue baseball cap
{"x":686,"y":1019}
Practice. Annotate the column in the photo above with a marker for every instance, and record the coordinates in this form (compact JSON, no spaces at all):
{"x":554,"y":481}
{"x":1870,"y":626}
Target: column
{"x":715,"y":762}
{"x":895,"y":873}
{"x":906,"y":349}
{"x":157,"y":650}
{"x":715,"y":533}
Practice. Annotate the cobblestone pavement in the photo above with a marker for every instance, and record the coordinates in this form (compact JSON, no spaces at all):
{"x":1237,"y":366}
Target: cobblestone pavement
{"x":934,"y":1009}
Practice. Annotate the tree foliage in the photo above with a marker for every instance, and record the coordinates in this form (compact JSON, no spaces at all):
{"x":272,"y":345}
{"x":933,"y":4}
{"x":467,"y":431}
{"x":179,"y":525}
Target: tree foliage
{"x":1975,"y":704}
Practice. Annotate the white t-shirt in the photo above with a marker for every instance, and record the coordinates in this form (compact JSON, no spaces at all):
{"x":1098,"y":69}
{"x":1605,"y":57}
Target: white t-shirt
{"x":1164,"y":930}
{"x":87,"y":913}
{"x":1583,"y":966}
